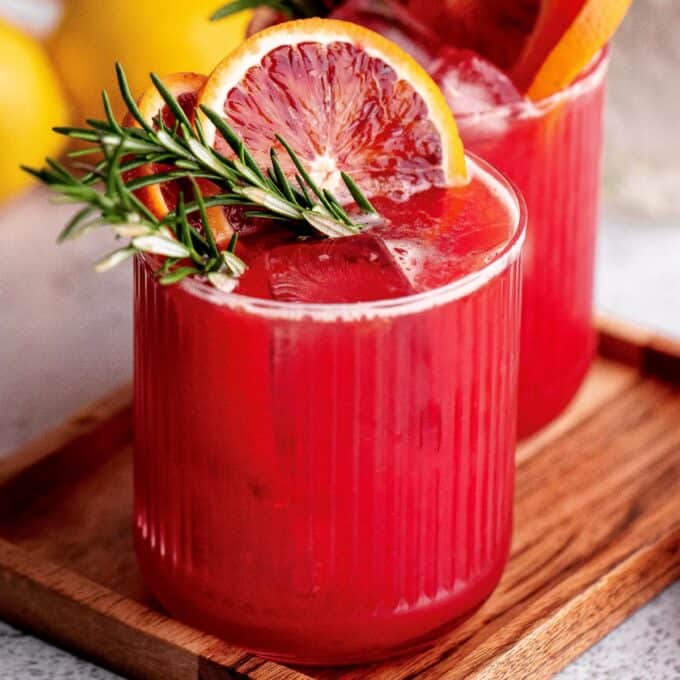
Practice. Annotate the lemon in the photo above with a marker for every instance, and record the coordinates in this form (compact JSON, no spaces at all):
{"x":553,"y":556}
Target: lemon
{"x":144,"y":35}
{"x":31,"y":102}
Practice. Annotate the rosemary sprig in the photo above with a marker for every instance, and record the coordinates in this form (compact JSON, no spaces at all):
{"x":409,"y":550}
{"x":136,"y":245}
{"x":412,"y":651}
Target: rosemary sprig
{"x":106,"y":190}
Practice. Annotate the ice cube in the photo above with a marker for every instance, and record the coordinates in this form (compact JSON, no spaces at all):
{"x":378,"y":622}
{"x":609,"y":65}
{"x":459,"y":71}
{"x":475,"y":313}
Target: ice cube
{"x":470,"y":83}
{"x":350,"y":269}
{"x":393,"y":21}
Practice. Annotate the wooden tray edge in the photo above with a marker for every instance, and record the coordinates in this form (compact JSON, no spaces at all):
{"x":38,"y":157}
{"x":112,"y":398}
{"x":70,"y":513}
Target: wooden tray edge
{"x":82,"y":603}
{"x":652,"y":353}
{"x":84,"y":422}
{"x":653,"y":567}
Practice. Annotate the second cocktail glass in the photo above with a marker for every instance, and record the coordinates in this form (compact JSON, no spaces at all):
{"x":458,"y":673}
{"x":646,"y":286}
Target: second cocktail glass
{"x":552,"y":150}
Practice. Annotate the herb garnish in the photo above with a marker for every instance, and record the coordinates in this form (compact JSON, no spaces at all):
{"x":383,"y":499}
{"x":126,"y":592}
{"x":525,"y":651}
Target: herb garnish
{"x":108,"y":194}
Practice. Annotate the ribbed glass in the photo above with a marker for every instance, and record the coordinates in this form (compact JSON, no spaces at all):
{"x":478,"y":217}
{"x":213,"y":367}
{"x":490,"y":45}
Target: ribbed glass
{"x":319,"y":488}
{"x":552,"y":151}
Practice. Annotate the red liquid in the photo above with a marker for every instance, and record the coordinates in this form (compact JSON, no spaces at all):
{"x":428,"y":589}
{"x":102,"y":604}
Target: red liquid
{"x":553,"y":153}
{"x":333,"y":484}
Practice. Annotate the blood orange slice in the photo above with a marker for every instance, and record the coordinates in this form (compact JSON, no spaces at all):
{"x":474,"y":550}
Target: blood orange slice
{"x":162,"y":198}
{"x":346,"y":100}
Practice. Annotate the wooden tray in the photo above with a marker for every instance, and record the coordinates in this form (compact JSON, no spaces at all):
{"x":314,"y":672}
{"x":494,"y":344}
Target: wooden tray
{"x":597,"y":535}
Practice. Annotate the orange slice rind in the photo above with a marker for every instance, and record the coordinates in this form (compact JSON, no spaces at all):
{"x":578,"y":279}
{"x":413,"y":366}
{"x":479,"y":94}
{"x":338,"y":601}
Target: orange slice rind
{"x":345,"y":99}
{"x":590,"y":31}
{"x":542,"y":45}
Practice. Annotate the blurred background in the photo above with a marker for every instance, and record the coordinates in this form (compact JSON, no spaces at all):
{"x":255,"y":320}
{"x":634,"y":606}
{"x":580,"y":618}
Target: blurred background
{"x":65,"y":332}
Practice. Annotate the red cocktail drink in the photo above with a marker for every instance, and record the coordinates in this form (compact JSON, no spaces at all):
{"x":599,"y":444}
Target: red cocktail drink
{"x":552,"y":150}
{"x":326,"y":479}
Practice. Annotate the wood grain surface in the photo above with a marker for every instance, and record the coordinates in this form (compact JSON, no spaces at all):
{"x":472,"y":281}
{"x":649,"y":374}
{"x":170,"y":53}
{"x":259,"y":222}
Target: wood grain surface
{"x":597,"y":534}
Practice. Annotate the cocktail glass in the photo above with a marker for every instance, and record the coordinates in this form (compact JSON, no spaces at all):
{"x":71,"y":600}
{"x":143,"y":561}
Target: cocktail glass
{"x":552,"y":151}
{"x":327,"y":483}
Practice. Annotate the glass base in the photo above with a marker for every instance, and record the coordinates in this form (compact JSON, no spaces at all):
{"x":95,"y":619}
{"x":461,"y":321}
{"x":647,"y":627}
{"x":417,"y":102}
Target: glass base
{"x":309,"y":641}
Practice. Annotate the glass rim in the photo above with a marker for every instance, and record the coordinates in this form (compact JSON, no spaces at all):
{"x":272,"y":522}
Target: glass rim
{"x":409,"y":304}
{"x":588,"y":80}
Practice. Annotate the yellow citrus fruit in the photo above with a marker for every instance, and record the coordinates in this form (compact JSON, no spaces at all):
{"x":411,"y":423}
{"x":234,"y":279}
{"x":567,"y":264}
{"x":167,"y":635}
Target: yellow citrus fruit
{"x":345,"y":99}
{"x":31,"y":102}
{"x":144,"y":35}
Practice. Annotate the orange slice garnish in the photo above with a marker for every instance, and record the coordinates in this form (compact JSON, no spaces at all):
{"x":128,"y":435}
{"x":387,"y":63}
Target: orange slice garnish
{"x":162,"y":198}
{"x":346,"y":100}
{"x":568,"y":56}
{"x":543,"y":45}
